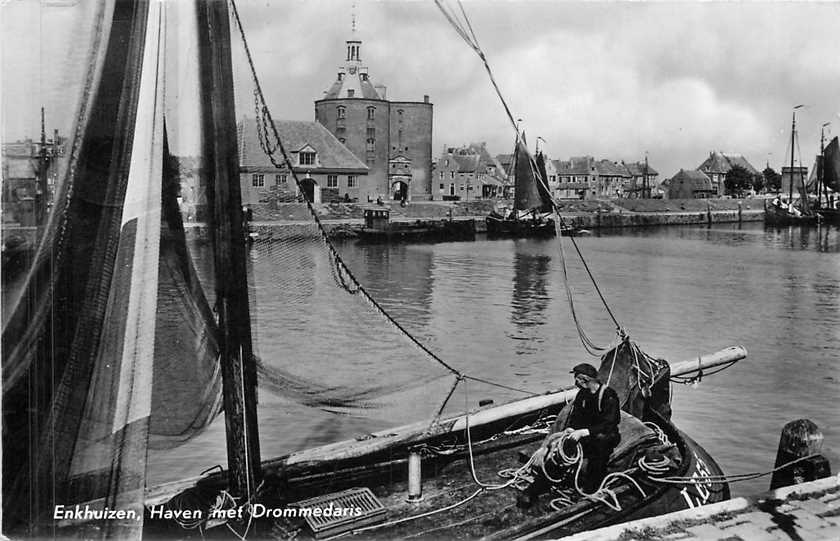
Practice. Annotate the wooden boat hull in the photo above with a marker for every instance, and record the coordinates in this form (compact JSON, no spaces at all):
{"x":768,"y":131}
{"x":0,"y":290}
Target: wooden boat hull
{"x":452,"y":230}
{"x":777,"y":216}
{"x":830,"y":216}
{"x":503,"y":227}
{"x":499,"y":441}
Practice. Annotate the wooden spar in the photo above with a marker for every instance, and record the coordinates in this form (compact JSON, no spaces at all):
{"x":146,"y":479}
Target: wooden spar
{"x":239,"y":376}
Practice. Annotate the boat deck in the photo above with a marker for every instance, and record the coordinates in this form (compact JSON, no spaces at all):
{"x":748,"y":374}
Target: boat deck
{"x":454,"y":507}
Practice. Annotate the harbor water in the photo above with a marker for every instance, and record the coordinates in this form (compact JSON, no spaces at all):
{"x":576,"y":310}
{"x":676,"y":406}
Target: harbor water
{"x":498,"y":309}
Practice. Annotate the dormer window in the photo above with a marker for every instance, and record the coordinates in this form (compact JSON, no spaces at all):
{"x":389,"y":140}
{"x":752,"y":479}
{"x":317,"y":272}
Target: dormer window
{"x":364,"y":76}
{"x":351,"y":92}
{"x":306,"y":158}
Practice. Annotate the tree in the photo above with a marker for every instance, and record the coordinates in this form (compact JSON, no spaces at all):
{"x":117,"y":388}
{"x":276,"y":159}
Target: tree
{"x":772,"y":179}
{"x":758,"y":182}
{"x":737,"y":180}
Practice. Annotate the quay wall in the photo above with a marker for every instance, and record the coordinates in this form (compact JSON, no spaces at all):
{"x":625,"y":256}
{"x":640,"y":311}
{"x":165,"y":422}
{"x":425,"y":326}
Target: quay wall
{"x":293,"y":220}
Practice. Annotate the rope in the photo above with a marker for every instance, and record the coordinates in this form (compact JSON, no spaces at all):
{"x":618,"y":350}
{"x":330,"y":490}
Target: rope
{"x":703,"y":479}
{"x":466,"y":33}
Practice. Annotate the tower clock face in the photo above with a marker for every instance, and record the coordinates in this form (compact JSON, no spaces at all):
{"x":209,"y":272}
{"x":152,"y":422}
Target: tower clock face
{"x":352,"y":70}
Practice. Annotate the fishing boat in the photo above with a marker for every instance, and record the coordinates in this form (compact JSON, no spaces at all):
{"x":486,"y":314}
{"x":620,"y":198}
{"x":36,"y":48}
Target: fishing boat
{"x":532,"y":214}
{"x":379,"y":228}
{"x":120,"y":347}
{"x":781,"y":213}
{"x":827,"y":201}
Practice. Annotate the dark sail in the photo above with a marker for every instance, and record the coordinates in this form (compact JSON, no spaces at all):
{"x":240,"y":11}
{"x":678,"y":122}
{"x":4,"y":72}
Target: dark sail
{"x":831,"y":165}
{"x":530,"y":182}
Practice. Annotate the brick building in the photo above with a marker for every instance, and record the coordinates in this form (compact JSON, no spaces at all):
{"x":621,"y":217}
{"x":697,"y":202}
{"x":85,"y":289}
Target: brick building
{"x":326,"y":168}
{"x":469,"y":172}
{"x":392,"y":138}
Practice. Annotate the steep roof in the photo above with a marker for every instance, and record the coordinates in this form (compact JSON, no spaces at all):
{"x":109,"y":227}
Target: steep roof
{"x":358,"y":82}
{"x":577,"y":165}
{"x":721,"y":163}
{"x":467,"y":163}
{"x":637,"y":169}
{"x":695,"y":180}
{"x":296,"y":135}
{"x":609,"y":168}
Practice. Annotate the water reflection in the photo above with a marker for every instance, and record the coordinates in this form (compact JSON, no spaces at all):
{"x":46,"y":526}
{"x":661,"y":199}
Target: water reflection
{"x":531,"y":270}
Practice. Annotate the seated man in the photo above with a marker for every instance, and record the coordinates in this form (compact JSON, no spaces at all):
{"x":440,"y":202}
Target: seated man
{"x":593,"y":422}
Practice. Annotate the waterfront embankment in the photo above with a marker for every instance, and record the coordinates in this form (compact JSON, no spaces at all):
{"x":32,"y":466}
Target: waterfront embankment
{"x":340,"y":219}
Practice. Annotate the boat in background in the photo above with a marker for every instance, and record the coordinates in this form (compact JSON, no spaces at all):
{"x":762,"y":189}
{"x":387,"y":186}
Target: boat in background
{"x":532,"y":214}
{"x":780,"y":212}
{"x":828,"y":208}
{"x":379,"y":228}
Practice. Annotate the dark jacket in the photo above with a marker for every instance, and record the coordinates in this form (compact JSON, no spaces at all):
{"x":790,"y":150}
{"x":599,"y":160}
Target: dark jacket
{"x":601,"y":419}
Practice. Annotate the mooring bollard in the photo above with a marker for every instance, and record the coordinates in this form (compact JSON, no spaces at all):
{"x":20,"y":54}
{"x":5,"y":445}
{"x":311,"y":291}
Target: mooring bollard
{"x":799,"y":439}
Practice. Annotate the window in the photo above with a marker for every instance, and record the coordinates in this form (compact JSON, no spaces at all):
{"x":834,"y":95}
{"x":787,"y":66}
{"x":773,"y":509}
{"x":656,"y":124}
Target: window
{"x":371,"y":111}
{"x":371,"y":133}
{"x":341,"y":111}
{"x":446,"y":163}
{"x":351,"y":181}
{"x":441,"y":186}
{"x":341,"y":140}
{"x":350,"y":92}
{"x":280,"y":179}
{"x":371,"y":145}
{"x":452,"y":174}
{"x":306,"y":158}
{"x":332,"y":181}
{"x":258,"y":180}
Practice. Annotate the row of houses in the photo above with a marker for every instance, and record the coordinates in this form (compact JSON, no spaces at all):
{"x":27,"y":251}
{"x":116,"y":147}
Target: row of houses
{"x":471,"y":172}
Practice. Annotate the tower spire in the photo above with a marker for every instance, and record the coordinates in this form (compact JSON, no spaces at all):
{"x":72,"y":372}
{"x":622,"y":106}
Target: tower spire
{"x":353,"y":14}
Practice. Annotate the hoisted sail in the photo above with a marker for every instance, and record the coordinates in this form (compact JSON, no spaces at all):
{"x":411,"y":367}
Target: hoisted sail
{"x":530,"y":182}
{"x":831,"y":165}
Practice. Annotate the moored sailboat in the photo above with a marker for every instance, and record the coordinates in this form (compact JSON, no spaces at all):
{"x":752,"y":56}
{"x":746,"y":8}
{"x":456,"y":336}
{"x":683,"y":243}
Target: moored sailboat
{"x":827,"y":206}
{"x":533,"y":210}
{"x":780,"y":212}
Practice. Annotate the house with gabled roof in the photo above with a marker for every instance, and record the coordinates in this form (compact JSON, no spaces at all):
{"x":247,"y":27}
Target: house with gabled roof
{"x":688,"y":184}
{"x":468,"y":172}
{"x":718,"y":164}
{"x":326,"y":168}
{"x":643,"y":178}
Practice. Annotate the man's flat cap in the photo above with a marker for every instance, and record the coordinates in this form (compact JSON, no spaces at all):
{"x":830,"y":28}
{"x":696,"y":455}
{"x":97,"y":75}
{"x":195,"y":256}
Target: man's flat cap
{"x":585,"y":369}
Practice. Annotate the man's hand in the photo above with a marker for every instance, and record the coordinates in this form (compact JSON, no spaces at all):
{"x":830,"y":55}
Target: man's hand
{"x":576,"y":435}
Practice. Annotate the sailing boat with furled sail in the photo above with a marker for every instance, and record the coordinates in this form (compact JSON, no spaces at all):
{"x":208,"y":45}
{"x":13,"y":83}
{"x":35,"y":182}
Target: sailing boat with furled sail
{"x":120,"y":345}
{"x":781,"y":212}
{"x":532,"y":214}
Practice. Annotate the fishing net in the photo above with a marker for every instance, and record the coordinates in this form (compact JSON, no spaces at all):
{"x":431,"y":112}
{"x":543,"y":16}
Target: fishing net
{"x":641,"y":381}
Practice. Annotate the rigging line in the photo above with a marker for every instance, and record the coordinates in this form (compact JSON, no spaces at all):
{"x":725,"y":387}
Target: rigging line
{"x":588,"y":345}
{"x":481,"y":55}
{"x":594,"y":283}
{"x":474,"y":45}
{"x":501,"y":386}
{"x":334,"y":253}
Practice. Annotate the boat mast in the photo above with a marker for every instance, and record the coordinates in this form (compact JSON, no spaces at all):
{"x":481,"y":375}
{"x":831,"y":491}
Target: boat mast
{"x":239,"y":377}
{"x":792,"y":152}
{"x":41,"y":192}
{"x":645,"y":187}
{"x":821,"y":165}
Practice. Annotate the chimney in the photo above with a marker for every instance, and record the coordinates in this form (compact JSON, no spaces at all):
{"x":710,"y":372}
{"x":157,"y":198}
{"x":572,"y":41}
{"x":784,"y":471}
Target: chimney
{"x":425,"y":98}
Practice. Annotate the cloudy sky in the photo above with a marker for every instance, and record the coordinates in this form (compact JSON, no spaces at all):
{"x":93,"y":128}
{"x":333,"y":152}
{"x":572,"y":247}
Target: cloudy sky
{"x":612,"y":80}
